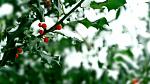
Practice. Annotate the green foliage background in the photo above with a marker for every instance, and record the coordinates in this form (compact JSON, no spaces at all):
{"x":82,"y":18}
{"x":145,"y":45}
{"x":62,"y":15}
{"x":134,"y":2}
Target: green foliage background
{"x":39,"y":63}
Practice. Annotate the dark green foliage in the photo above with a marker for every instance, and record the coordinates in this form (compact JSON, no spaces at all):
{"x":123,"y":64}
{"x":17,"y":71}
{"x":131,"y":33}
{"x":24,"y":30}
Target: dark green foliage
{"x":106,"y":79}
{"x":127,"y":52}
{"x":118,"y":13}
{"x":39,"y":63}
{"x":59,"y":46}
{"x":100,"y":65}
{"x":8,"y":20}
{"x":81,"y":75}
{"x":113,"y":50}
{"x":97,"y":24}
{"x":69,"y":2}
{"x":110,"y":4}
{"x":10,"y":48}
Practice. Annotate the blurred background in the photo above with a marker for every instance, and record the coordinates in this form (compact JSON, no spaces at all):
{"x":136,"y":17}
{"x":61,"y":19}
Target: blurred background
{"x":80,"y":54}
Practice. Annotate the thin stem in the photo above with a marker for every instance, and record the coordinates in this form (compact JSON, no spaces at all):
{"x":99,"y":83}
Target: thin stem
{"x":53,"y":27}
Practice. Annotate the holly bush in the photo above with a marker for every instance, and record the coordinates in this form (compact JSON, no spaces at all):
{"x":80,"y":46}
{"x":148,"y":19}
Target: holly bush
{"x":30,"y":58}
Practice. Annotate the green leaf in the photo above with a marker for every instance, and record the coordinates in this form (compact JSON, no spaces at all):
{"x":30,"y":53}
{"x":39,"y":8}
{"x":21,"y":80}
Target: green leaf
{"x":118,"y":13}
{"x":100,"y":23}
{"x":97,"y":24}
{"x":104,"y":77}
{"x":110,"y":4}
{"x":100,"y":65}
{"x":64,"y":43}
{"x":39,"y":11}
{"x":127,"y":52}
{"x":69,"y":2}
{"x":78,"y":46}
{"x":72,"y":25}
{"x":2,"y":35}
{"x":86,"y":22}
{"x":96,"y":5}
{"x":119,"y":59}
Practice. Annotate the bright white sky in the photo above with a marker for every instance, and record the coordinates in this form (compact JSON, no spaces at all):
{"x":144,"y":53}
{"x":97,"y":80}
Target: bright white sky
{"x":129,"y":18}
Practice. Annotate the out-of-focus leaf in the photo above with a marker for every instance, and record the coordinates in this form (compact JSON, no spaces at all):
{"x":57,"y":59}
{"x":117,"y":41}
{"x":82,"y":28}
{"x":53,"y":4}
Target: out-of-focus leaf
{"x":127,"y":52}
{"x":72,"y":24}
{"x":65,"y":43}
{"x":39,"y":11}
{"x":100,"y":23}
{"x":86,"y":22}
{"x":118,"y":13}
{"x":2,"y":35}
{"x":69,"y":2}
{"x":100,"y":65}
{"x":121,"y":59}
{"x":122,"y":77}
{"x":130,"y":65}
{"x":110,"y":4}
{"x":111,"y":54}
{"x":78,"y":46}
{"x":104,"y":78}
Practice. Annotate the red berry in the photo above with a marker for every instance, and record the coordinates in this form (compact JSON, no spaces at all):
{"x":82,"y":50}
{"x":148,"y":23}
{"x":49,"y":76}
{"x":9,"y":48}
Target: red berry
{"x":59,"y":27}
{"x":40,"y":24}
{"x":134,"y":81}
{"x":46,"y":39}
{"x":17,"y":56}
{"x":44,"y":26}
{"x":19,"y":50}
{"x":41,"y":32}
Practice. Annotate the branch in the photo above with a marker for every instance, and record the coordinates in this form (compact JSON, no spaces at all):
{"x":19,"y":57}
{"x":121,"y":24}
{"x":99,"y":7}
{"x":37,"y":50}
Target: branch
{"x":53,"y":27}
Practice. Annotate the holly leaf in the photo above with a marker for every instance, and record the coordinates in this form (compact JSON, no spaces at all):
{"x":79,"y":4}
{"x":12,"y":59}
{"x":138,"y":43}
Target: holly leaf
{"x":110,"y":4}
{"x":97,"y":24}
{"x":86,"y":22}
{"x":100,"y":23}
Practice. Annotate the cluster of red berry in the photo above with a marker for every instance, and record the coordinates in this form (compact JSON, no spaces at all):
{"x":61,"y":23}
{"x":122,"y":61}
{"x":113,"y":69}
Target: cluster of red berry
{"x":44,"y":26}
{"x":19,"y":51}
{"x":41,"y":32}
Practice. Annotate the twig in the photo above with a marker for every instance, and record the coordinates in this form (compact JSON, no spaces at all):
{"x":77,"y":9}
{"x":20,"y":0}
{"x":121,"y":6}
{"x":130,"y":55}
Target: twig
{"x":53,"y":27}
